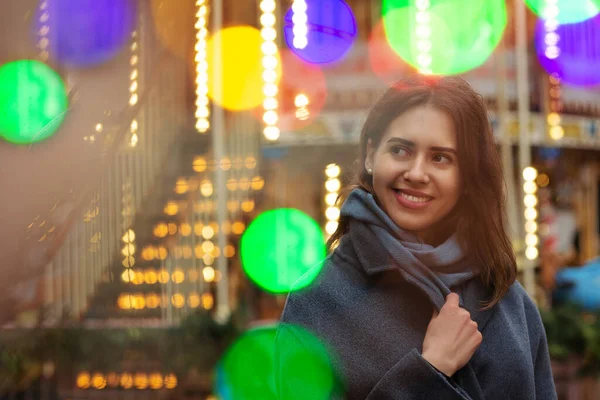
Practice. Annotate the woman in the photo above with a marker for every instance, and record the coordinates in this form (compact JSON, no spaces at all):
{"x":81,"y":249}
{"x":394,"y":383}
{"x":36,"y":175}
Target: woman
{"x":419,"y":299}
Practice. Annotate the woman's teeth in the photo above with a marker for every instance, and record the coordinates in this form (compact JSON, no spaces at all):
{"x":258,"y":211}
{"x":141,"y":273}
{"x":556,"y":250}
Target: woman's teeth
{"x":413,"y":198}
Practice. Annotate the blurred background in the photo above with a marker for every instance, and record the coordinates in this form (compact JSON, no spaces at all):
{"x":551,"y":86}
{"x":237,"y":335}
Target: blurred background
{"x":169,"y":168}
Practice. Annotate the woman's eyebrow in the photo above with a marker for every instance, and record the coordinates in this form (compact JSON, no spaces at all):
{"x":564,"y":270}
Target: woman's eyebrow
{"x":412,"y":144}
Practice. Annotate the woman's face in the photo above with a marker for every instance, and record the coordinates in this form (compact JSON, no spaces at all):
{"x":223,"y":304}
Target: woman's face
{"x":415,"y":169}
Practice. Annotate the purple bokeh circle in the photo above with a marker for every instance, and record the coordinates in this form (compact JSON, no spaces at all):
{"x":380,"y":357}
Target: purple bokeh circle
{"x":331,"y":31}
{"x":86,"y":33}
{"x":579,"y":52}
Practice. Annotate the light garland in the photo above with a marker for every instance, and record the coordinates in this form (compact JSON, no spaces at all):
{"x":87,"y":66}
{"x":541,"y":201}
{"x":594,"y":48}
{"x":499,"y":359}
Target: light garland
{"x":332,"y":186}
{"x":301,"y":102}
{"x":530,"y":201}
{"x":202,"y":109}
{"x":133,"y":86}
{"x":300,"y":20}
{"x":125,"y":380}
{"x":269,"y":50}
{"x":552,"y":51}
{"x":423,"y":33}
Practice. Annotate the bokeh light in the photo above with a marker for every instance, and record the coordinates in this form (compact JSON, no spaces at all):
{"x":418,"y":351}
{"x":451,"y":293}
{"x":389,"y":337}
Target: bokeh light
{"x":459,"y":35}
{"x":172,"y":22}
{"x":299,"y":361}
{"x":384,"y":61}
{"x":280,"y":247}
{"x":33,"y":101}
{"x":565,"y":11}
{"x":578,"y":51}
{"x":241,"y":68}
{"x":86,"y":33}
{"x":331,"y":31}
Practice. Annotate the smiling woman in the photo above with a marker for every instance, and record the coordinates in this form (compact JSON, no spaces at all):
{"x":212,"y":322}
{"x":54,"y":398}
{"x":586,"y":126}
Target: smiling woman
{"x":418,"y":298}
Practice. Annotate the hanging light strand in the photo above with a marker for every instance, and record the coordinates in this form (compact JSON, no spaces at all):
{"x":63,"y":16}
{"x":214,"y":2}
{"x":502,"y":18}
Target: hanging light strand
{"x":300,"y":21}
{"x":530,"y":201}
{"x":552,"y":51}
{"x":202,"y":107}
{"x":133,"y":86}
{"x":423,"y":34}
{"x":332,"y":191}
{"x":269,"y":50}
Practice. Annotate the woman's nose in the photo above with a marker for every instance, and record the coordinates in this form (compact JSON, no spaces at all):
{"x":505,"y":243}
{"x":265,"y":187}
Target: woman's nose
{"x":417,"y":172}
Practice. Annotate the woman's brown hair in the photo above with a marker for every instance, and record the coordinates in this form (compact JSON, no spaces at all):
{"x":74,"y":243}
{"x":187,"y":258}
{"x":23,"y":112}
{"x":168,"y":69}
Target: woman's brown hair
{"x":479,"y":218}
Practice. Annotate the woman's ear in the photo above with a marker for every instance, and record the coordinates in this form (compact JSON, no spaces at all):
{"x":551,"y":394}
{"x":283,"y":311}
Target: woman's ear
{"x":369,"y":157}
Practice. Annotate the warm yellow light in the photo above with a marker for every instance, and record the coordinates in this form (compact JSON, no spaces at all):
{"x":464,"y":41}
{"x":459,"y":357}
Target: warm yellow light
{"x":332,"y":171}
{"x":170,"y":381}
{"x":556,"y":132}
{"x":271,"y":132}
{"x":531,"y":239}
{"x":193,"y":275}
{"x":209,"y":274}
{"x":553,"y":118}
{"x":332,"y":213}
{"x":208,"y":232}
{"x":162,"y":253}
{"x":208,"y":246}
{"x":140,"y":381}
{"x":248,"y":205}
{"x":178,"y":300}
{"x":171,"y":208}
{"x":150,"y":276}
{"x":129,"y":262}
{"x":199,"y":164}
{"x":331,"y":198}
{"x":138,"y":302}
{"x":194,"y":300}
{"x":156,"y":381}
{"x":529,"y":187}
{"x":181,"y":186}
{"x":129,"y":236}
{"x":152,"y":300}
{"x":229,"y":251}
{"x":244,"y":184}
{"x":530,"y":213}
{"x":206,"y":188}
{"x":98,"y":381}
{"x":207,"y":301}
{"x":126,"y":380}
{"x":257,"y":183}
{"x":83,"y":380}
{"x":233,"y":206}
{"x":160,"y":230}
{"x":208,"y":259}
{"x":531,"y":253}
{"x":178,"y":276}
{"x":238,"y":227}
{"x":529,"y":174}
{"x":112,"y":379}
{"x":127,"y":276}
{"x":531,"y":227}
{"x":530,"y":200}
{"x":125,"y":301}
{"x":225,"y":164}
{"x":163,"y":276}
{"x":333,"y":185}
{"x":543,"y":180}
{"x":185,"y":229}
{"x":301,"y":100}
{"x":330,"y":227}
{"x":226,"y":227}
{"x":128,"y":249}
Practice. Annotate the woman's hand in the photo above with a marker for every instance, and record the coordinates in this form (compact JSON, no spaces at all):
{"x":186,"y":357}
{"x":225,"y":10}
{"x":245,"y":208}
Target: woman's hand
{"x":451,"y":338}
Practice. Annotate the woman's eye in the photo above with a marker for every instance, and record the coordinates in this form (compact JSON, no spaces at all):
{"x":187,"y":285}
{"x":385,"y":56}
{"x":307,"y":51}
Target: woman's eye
{"x":401,"y":151}
{"x":441,"y":158}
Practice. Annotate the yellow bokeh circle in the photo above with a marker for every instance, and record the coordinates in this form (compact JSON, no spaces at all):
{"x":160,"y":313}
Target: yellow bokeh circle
{"x":241,"y":68}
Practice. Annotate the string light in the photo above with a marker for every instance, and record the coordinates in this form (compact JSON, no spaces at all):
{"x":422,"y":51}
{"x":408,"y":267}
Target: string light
{"x":423,"y":33}
{"x":301,"y":102}
{"x":530,"y":201}
{"x":202,"y":109}
{"x":300,"y":20}
{"x":269,"y":49}
{"x":332,"y":186}
{"x":133,"y":87}
{"x":552,"y":51}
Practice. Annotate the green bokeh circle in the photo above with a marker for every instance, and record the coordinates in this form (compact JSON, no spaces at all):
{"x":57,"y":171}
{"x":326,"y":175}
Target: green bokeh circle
{"x":276,"y":362}
{"x":463,"y":33}
{"x":569,"y":11}
{"x":282,"y":250}
{"x":33,"y":101}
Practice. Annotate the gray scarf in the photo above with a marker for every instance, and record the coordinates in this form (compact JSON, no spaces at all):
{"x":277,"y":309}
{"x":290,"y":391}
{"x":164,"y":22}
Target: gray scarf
{"x":382,"y":246}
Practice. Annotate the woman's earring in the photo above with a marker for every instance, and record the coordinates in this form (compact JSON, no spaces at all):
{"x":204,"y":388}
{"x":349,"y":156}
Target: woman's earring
{"x":370,"y":171}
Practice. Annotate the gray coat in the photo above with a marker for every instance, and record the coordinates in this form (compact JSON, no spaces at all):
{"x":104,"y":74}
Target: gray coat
{"x":373,"y":314}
